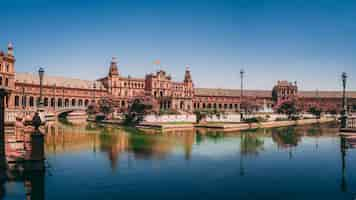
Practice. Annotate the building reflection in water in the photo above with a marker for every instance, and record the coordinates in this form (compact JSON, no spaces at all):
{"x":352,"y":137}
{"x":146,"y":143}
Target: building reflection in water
{"x":25,"y":162}
{"x":116,"y":141}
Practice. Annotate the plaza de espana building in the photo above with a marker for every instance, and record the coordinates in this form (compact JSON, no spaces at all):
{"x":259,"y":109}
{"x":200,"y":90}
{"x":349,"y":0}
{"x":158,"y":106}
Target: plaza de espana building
{"x":181,"y":96}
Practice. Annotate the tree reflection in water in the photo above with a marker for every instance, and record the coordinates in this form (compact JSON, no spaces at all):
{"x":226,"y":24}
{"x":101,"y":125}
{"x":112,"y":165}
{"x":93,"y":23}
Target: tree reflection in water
{"x":286,"y":137}
{"x":250,"y":144}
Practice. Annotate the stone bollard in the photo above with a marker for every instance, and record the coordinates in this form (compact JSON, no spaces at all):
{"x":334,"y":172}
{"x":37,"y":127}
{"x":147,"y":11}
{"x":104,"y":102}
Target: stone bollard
{"x":36,"y":156}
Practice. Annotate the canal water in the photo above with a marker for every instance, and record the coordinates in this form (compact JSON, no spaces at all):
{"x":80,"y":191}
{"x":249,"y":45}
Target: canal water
{"x":90,"y":162}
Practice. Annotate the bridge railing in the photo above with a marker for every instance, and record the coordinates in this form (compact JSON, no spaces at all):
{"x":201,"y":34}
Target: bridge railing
{"x":70,"y":108}
{"x":11,"y":114}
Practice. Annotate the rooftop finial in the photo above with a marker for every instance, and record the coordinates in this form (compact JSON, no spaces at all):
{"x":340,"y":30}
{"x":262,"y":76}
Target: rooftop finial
{"x":187,"y":67}
{"x":114,"y":59}
{"x":113,"y":67}
{"x":10,"y":49}
{"x":10,"y":46}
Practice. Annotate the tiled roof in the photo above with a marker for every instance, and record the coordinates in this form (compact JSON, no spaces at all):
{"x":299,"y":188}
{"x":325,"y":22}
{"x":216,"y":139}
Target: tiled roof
{"x":58,"y":81}
{"x":232,"y":92}
{"x":325,"y":94}
{"x":268,"y":94}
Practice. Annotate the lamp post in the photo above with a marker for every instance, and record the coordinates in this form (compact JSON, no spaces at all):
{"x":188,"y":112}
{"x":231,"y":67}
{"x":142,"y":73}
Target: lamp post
{"x":23,"y":98}
{"x":344,"y":103}
{"x":41,"y":74}
{"x":94,"y":86}
{"x":241,"y":92}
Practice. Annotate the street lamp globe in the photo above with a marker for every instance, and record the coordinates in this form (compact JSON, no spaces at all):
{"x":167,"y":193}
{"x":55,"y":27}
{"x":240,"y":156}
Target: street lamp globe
{"x":242,"y":72}
{"x":41,"y":72}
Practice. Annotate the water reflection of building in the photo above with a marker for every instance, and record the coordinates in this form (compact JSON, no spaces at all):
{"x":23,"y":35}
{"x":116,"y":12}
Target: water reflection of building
{"x":114,"y":142}
{"x":24,"y":159}
{"x":113,"y":145}
{"x":159,"y":146}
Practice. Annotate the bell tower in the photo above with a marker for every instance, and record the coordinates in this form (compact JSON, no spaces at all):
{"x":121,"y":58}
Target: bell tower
{"x":114,"y":78}
{"x":188,"y":82}
{"x":7,"y":72}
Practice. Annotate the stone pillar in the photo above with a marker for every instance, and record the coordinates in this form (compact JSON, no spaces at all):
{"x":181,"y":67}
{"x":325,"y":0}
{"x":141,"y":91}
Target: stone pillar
{"x":37,"y":151}
{"x":3,"y":94}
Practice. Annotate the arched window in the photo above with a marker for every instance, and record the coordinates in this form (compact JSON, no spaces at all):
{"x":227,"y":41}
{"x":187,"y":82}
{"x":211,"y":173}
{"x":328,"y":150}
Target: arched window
{"x":32,"y":103}
{"x":86,"y":103}
{"x":24,"y":101}
{"x":181,"y":105}
{"x":38,"y":100}
{"x":6,"y":82}
{"x":46,"y":101}
{"x":66,"y":103}
{"x":7,"y":67}
{"x":0,"y":80}
{"x":53,"y":102}
{"x":59,"y":103}
{"x":80,"y":102}
{"x":73,"y":102}
{"x":17,"y":101}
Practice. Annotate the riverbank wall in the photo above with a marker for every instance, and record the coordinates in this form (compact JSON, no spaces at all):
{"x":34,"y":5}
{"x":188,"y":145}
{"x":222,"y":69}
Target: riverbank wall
{"x":271,"y":124}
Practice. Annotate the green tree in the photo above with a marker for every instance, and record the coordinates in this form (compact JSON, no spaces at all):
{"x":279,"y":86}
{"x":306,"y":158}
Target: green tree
{"x":106,"y":106}
{"x":288,"y":107}
{"x":136,"y":112}
{"x":316,"y":111}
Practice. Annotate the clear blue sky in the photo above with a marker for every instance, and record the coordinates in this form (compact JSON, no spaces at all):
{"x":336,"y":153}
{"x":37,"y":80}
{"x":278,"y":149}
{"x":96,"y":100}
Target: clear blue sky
{"x":309,"y":41}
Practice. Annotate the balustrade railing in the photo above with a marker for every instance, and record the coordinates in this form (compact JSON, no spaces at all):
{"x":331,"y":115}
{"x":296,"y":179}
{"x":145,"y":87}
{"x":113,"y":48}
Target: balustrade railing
{"x":351,"y":122}
{"x":11,"y":114}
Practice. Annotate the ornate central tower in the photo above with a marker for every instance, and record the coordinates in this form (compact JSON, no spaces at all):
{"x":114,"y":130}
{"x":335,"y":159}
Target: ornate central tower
{"x":114,"y":78}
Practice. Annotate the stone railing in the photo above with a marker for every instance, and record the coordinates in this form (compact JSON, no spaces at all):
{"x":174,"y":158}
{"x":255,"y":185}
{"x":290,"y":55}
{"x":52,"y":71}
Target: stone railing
{"x":169,"y":118}
{"x":11,"y":114}
{"x":351,"y":122}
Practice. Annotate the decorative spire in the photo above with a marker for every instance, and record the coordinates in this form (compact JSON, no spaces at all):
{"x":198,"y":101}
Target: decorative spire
{"x":187,"y":67}
{"x":113,"y":67}
{"x":187,"y":76}
{"x":10,"y":49}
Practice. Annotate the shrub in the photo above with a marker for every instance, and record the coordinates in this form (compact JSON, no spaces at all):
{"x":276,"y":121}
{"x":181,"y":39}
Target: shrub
{"x":254,"y":120}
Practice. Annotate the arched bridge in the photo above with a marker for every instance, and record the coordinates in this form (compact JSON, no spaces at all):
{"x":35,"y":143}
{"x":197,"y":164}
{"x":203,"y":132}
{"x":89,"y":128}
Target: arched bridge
{"x":11,"y":114}
{"x":60,"y":111}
